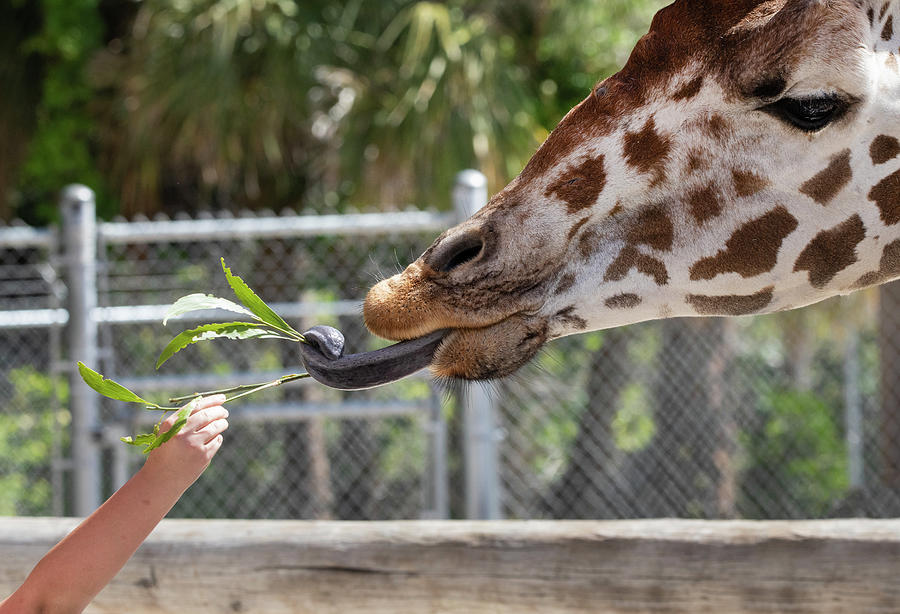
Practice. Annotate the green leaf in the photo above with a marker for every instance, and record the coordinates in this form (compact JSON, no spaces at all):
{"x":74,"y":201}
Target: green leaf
{"x":151,"y":441}
{"x":197,"y":302}
{"x":139,"y":440}
{"x":256,"y":304}
{"x":227,"y":330}
{"x":109,"y":388}
{"x":180,"y":419}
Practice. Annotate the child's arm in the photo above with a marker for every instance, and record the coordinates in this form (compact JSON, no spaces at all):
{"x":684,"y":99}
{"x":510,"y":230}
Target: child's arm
{"x":79,"y":566}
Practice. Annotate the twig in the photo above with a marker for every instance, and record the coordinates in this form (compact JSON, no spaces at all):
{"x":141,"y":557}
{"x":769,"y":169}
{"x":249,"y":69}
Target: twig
{"x":243,"y":390}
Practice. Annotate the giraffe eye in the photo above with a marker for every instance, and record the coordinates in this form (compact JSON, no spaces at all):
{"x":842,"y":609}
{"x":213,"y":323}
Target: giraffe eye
{"x":808,"y":114}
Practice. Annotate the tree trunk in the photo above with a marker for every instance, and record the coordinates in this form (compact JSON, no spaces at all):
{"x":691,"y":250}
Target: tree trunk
{"x":590,"y":487}
{"x":19,"y":22}
{"x":687,"y":469}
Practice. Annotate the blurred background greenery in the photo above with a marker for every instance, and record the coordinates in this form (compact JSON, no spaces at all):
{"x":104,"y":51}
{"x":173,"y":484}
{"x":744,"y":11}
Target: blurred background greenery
{"x":183,"y":105}
{"x":171,"y":106}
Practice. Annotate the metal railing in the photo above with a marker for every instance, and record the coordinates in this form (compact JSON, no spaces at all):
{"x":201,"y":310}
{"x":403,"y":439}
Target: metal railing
{"x":78,"y":250}
{"x":792,"y":415}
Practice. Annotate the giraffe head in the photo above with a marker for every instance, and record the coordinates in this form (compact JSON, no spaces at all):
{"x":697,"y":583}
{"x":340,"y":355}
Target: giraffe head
{"x":745,"y":160}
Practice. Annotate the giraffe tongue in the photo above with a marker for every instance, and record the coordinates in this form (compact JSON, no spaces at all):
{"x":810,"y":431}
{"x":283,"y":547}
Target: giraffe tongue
{"x":323,"y":356}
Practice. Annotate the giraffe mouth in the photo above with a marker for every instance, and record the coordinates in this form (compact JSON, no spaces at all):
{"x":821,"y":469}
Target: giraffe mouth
{"x":490,"y":352}
{"x":462,"y":353}
{"x":324,"y":359}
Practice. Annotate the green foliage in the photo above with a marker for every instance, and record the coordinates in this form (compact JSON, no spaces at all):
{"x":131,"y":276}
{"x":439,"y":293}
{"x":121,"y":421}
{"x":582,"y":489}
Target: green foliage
{"x":118,"y":392}
{"x":111,"y":389}
{"x":634,"y":427}
{"x":152,"y":441}
{"x":29,"y":424}
{"x":199,"y":302}
{"x":221,"y":330}
{"x":261,"y":311}
{"x":268,"y":325}
{"x":63,"y":147}
{"x":802,"y":451}
{"x":265,"y":102}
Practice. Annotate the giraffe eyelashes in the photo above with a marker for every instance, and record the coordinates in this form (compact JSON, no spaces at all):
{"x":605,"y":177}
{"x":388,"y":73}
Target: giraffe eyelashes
{"x":808,"y":114}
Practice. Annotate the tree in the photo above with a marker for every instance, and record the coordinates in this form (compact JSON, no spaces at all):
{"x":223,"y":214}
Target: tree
{"x":232,"y":104}
{"x":51,"y":128}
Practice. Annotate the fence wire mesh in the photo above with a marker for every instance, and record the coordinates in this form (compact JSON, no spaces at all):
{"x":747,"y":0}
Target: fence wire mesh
{"x":793,"y":415}
{"x":33,"y":421}
{"x":293,"y":466}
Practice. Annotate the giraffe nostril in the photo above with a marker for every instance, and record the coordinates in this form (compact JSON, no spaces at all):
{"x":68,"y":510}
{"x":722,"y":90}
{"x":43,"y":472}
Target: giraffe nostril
{"x":455,"y":252}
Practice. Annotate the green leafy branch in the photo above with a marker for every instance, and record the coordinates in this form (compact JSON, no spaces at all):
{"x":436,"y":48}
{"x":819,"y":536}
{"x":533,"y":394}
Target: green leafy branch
{"x":265,"y":324}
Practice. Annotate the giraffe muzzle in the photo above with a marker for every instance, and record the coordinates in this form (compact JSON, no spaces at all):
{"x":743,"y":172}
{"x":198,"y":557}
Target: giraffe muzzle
{"x":324,"y":359}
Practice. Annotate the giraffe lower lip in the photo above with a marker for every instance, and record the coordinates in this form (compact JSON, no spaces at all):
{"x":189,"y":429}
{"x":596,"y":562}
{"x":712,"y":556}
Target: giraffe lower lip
{"x":324,"y":360}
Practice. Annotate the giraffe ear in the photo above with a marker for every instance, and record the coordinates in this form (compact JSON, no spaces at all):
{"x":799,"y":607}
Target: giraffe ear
{"x":760,"y":16}
{"x":769,"y":11}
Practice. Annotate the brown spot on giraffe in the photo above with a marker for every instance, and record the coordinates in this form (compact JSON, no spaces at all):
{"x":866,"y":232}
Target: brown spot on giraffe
{"x":647,"y":150}
{"x":704,"y":203}
{"x":623,"y":301}
{"x":697,"y":161}
{"x":886,"y":195}
{"x":748,"y":183}
{"x":576,"y":227}
{"x":888,"y":32}
{"x":631,"y":258}
{"x":891,"y":63}
{"x":731,"y":305}
{"x":654,"y":268}
{"x":568,"y":316}
{"x":752,"y":249}
{"x":689,"y":89}
{"x":884,"y":10}
{"x":580,"y":186}
{"x":565,"y":283}
{"x":652,"y":227}
{"x":831,"y":251}
{"x":717,"y":127}
{"x":588,"y":244}
{"x":829,"y":182}
{"x":889,"y":268}
{"x":616,"y":210}
{"x":884,"y":148}
{"x":593,"y":117}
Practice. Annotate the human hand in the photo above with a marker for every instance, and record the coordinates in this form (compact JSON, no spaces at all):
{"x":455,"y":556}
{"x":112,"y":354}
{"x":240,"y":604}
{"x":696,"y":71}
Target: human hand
{"x":183,"y":458}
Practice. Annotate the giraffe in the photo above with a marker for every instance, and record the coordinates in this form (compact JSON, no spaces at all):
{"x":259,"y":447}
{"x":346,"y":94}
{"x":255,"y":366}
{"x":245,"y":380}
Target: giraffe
{"x":745,"y":160}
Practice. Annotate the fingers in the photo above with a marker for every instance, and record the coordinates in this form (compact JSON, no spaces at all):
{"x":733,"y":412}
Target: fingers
{"x":211,"y":401}
{"x":206,"y":409}
{"x":202,"y":417}
{"x":213,"y":445}
{"x":213,"y":430}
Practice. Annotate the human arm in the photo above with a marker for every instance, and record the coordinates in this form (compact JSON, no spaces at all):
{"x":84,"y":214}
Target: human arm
{"x":79,"y":566}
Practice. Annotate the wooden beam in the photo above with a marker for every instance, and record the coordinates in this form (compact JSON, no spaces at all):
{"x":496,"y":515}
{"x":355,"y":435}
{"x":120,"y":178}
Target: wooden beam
{"x":658,"y":566}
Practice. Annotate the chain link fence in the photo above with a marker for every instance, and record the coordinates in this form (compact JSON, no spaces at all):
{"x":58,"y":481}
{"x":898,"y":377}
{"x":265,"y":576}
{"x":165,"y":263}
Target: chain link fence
{"x":33,"y":426}
{"x":772,"y":417}
{"x":793,"y":415}
{"x":302,"y":451}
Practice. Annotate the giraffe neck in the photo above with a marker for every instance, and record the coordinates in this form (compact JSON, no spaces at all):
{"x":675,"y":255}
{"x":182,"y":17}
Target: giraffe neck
{"x":780,"y":251}
{"x":745,"y":160}
{"x":884,"y":18}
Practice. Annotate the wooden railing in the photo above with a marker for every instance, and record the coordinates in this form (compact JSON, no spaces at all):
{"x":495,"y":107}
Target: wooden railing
{"x":658,"y":566}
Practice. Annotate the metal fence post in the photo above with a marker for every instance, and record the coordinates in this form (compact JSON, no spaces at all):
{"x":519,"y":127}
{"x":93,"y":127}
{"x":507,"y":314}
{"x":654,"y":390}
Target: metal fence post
{"x":79,"y":230}
{"x":480,"y":430}
{"x":436,"y":479}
